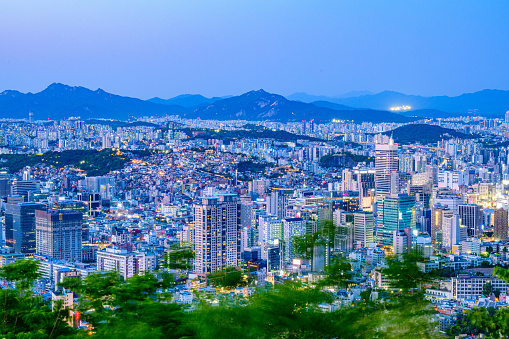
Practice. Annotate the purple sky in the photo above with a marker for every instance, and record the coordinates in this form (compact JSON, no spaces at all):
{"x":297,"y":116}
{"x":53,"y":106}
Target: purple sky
{"x":166,"y":48}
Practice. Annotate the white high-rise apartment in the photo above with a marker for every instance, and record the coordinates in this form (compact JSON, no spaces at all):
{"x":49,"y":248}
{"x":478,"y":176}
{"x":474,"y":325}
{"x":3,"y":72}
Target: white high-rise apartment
{"x":363,"y":228}
{"x":217,"y":233}
{"x":453,"y":233}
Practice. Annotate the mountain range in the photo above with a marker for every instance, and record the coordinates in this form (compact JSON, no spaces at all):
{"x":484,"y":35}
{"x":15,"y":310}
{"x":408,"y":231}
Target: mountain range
{"x":486,"y":102}
{"x":59,"y":101}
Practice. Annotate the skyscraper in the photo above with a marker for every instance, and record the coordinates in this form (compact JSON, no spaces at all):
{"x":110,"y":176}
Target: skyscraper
{"x":471,"y":216}
{"x":20,"y":226}
{"x":277,"y":203}
{"x":59,"y":235}
{"x":500,"y":226}
{"x":217,"y":233}
{"x":453,"y":232}
{"x":438,"y":213}
{"x":386,"y":162}
{"x":398,"y":214}
{"x":363,"y":228}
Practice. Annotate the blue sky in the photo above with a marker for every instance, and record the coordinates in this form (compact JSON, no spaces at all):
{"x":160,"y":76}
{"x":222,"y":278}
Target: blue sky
{"x":170,"y":47}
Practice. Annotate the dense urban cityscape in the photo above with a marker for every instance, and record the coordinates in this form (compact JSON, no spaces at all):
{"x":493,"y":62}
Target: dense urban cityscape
{"x":256,"y":208}
{"x":254,"y":169}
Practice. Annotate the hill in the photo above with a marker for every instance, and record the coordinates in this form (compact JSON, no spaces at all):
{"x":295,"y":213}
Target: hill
{"x":424,"y":134}
{"x":91,"y":161}
{"x":60,"y":101}
{"x":228,"y":136}
{"x":260,"y":105}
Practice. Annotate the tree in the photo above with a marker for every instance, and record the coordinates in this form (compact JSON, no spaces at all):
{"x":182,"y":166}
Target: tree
{"x":501,"y":273}
{"x":24,"y":315}
{"x":178,"y":258}
{"x":304,"y":245}
{"x":489,"y":250}
{"x":403,"y":272}
{"x":136,"y":307}
{"x":487,"y":289}
{"x":228,"y":278}
{"x":338,"y":273}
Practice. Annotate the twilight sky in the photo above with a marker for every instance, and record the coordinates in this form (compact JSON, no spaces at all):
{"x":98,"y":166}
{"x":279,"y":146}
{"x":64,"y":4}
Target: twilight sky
{"x":213,"y":47}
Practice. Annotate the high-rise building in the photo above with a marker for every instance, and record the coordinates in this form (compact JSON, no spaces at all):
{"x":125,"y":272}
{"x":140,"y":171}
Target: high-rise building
{"x":292,"y":227}
{"x":20,"y":226}
{"x":277,"y":202}
{"x":500,"y":225}
{"x":25,"y":188}
{"x":471,"y":216}
{"x":453,"y":232}
{"x":398,"y":214}
{"x":59,"y":235}
{"x":438,"y":213}
{"x":106,"y":140}
{"x":402,"y":241}
{"x":81,"y":207}
{"x":363,"y":228}
{"x":217,"y":233}
{"x":386,"y":162}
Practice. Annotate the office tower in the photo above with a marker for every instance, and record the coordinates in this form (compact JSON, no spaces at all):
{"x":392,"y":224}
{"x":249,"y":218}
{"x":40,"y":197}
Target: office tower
{"x":104,"y":185}
{"x":5,"y":186}
{"x":80,"y":207}
{"x":20,"y":226}
{"x":365,"y":182}
{"x":344,"y":222}
{"x":217,"y":233}
{"x":453,"y":232}
{"x":500,"y":227}
{"x":25,"y":188}
{"x":363,"y":228}
{"x":386,"y":162}
{"x":437,"y":215}
{"x":507,"y":117}
{"x":450,"y":199}
{"x":471,"y":216}
{"x":398,"y":214}
{"x":93,"y":202}
{"x":334,"y":200}
{"x":277,"y":203}
{"x":59,"y":235}
{"x":292,"y":227}
{"x":303,"y":127}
